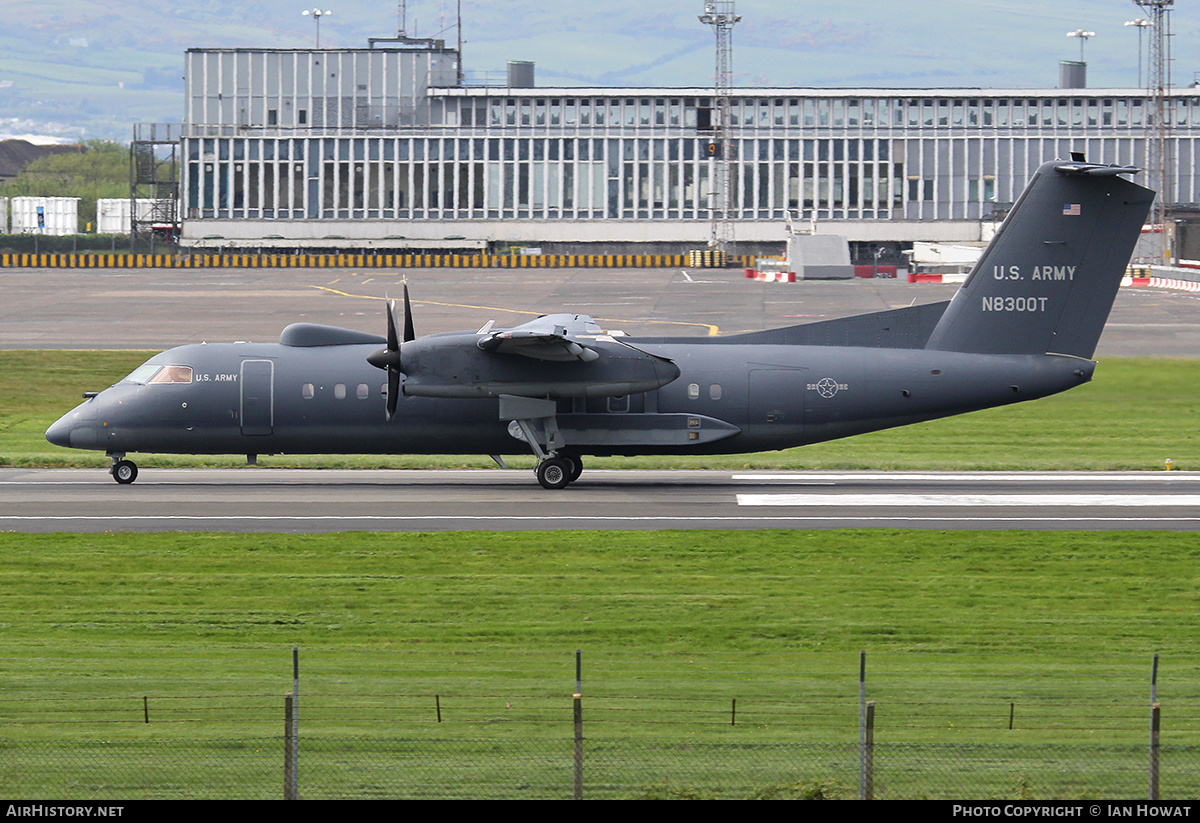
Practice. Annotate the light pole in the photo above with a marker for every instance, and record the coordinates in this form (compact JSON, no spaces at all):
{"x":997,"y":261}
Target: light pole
{"x":1083,"y":38}
{"x":317,"y":14}
{"x":1140,"y":24}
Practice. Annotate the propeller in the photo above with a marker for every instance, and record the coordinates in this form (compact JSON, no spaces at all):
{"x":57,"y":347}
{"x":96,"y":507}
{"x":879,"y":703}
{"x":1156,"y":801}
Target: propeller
{"x":389,"y":358}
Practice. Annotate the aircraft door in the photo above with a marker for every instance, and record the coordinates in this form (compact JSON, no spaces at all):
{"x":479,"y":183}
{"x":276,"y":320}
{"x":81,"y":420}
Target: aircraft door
{"x":258,"y":397}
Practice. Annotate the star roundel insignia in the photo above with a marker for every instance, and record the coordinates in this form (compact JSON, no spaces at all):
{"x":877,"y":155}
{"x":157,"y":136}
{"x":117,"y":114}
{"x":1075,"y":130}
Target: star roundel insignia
{"x":827,"y":387}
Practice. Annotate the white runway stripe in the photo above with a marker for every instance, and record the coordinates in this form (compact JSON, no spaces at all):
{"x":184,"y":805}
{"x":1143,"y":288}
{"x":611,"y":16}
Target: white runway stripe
{"x":949,"y":477}
{"x":950,"y":500}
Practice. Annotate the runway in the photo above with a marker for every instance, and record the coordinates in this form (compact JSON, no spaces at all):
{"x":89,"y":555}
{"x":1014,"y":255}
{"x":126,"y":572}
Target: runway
{"x":302,"y":500}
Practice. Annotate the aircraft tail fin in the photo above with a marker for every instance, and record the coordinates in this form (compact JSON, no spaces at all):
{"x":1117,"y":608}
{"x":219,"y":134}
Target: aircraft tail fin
{"x":1048,"y":279}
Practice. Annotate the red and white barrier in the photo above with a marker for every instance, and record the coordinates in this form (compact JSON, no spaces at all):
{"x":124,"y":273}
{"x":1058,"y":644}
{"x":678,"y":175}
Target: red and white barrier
{"x":771,"y":276}
{"x":1162,"y":283}
{"x":926,"y":277}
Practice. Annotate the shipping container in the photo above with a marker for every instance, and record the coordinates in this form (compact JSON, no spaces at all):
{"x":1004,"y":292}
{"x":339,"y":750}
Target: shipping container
{"x":112,"y":213}
{"x":45,"y":215}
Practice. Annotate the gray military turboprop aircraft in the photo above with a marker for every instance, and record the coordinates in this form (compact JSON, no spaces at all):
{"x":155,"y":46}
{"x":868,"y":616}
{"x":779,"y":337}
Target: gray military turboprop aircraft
{"x":1023,"y":326}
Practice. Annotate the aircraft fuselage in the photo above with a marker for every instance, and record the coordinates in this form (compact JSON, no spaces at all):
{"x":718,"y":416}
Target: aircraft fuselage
{"x":246,"y":398}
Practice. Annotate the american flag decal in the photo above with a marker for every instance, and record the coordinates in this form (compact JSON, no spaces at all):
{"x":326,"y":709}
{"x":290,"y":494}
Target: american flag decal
{"x":1070,"y":210}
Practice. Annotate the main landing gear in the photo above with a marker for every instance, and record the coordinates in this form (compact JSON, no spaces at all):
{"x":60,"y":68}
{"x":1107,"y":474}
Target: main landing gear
{"x":557,"y":471}
{"x":532,"y":421}
{"x":123,"y":471}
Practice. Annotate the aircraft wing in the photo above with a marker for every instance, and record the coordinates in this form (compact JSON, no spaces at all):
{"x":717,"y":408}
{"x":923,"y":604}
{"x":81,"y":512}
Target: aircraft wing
{"x":550,"y":337}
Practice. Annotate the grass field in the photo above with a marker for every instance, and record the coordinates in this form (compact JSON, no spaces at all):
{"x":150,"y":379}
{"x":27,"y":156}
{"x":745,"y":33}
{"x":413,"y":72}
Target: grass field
{"x":1135,"y":415}
{"x":976,"y":618}
{"x":962,"y":631}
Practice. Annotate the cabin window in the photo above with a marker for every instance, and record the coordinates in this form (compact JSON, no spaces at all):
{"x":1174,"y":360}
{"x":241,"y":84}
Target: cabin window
{"x":693,"y":391}
{"x":339,"y":391}
{"x":307,"y":391}
{"x":714,"y":391}
{"x":364,"y":391}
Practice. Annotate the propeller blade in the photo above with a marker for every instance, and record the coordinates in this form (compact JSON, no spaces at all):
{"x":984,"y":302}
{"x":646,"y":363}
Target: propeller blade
{"x":393,"y":395}
{"x":389,"y":357}
{"x":409,"y":334}
{"x":393,"y":343}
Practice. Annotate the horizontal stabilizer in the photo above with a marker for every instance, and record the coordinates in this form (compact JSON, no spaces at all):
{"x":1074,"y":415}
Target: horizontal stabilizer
{"x":1093,"y":169}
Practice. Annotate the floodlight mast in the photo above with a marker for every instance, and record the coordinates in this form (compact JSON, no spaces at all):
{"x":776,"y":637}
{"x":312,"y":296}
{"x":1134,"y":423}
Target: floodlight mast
{"x":1158,"y":120}
{"x":316,"y":14}
{"x":722,"y":16}
{"x":1083,"y":36}
{"x":1140,"y":24}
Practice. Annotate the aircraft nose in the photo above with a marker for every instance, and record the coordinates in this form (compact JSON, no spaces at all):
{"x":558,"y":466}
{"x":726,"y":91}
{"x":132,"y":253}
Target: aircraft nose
{"x":77,"y":429}
{"x":60,"y":433}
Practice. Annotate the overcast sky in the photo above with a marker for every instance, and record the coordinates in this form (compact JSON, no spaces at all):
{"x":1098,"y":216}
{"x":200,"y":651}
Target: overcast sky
{"x":91,"y":67}
{"x":993,"y":43}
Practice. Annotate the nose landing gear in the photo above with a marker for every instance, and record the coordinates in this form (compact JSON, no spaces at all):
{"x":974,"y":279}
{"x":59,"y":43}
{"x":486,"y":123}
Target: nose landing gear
{"x":123,"y":471}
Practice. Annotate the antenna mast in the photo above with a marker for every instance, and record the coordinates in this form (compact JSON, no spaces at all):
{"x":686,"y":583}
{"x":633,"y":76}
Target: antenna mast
{"x":721,"y":15}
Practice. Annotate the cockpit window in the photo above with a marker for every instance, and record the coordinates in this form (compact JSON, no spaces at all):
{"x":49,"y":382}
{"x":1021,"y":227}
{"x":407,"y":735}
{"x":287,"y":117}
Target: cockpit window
{"x":158,"y":373}
{"x":173,"y":374}
{"x":143,"y":373}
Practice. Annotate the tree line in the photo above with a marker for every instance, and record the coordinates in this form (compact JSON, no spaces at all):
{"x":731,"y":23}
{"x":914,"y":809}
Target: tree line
{"x":101,"y":170}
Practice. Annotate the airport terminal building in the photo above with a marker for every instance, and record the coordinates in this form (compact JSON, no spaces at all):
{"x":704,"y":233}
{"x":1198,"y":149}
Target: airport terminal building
{"x":387,"y":147}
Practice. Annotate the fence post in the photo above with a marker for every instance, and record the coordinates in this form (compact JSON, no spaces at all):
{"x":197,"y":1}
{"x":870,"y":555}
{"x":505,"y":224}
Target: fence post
{"x":869,"y":754}
{"x":578,"y":703}
{"x":294,"y":743}
{"x":1154,"y":721}
{"x":862,"y":725}
{"x":1155,"y":717}
{"x":290,"y":778}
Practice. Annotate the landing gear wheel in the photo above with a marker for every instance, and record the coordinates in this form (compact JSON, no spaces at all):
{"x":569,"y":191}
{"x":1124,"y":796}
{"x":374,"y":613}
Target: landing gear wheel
{"x":554,"y":473}
{"x":124,"y":472}
{"x":576,"y":465}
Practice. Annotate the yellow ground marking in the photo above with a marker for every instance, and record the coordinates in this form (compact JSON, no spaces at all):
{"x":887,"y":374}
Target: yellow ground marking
{"x":713,"y":330}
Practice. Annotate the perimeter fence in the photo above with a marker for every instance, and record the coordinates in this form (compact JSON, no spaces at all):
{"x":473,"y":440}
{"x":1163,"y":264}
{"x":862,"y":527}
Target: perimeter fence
{"x":492,"y":725}
{"x":511,"y":767}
